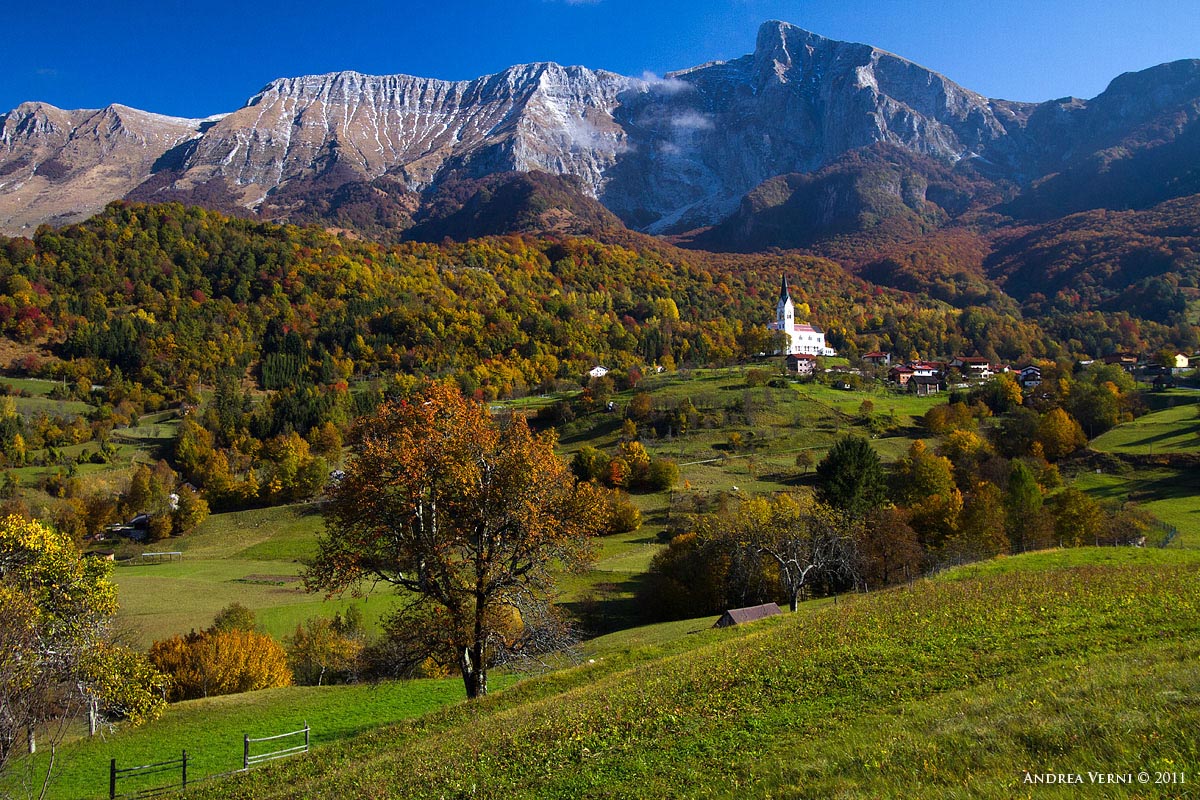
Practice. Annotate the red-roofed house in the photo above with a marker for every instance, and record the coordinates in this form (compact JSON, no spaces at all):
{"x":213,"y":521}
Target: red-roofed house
{"x":900,"y":374}
{"x":801,"y":363}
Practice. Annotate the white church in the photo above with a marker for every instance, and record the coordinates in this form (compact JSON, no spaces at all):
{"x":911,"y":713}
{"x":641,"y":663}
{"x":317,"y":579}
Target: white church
{"x":803,"y":338}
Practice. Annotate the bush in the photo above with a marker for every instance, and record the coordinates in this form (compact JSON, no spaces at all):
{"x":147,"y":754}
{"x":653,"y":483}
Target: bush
{"x":234,"y":617}
{"x":662,"y":475}
{"x":624,"y":516}
{"x":319,"y":653}
{"x":213,"y":663}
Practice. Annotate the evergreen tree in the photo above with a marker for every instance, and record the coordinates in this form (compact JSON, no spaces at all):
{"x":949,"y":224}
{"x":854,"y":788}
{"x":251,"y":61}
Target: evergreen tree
{"x":851,"y":477}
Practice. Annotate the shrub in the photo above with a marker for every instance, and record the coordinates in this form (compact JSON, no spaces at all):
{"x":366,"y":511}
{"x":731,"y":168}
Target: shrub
{"x":624,"y":516}
{"x":319,"y":653}
{"x":662,"y":475}
{"x":213,"y":663}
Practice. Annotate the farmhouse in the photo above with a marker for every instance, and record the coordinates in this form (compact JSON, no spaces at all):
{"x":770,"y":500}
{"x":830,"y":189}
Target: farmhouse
{"x":597,"y":372}
{"x":878,"y":358}
{"x":923,"y":387}
{"x":801,"y":336}
{"x":1125,"y":361}
{"x":973,"y":368}
{"x":740,"y":616}
{"x":900,"y":375}
{"x":801,"y":363}
{"x":1030,"y":376}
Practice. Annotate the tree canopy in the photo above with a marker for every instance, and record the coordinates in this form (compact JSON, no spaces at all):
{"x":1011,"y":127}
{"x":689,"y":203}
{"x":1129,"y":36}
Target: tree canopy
{"x":56,"y":653}
{"x":466,"y":514}
{"x":851,"y":476}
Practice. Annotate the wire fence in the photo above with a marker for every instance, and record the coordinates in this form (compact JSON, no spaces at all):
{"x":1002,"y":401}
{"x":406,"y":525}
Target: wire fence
{"x":179,"y":766}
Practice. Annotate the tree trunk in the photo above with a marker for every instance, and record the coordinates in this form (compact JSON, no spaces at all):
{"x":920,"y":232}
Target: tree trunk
{"x":474,"y":674}
{"x":795,"y":600}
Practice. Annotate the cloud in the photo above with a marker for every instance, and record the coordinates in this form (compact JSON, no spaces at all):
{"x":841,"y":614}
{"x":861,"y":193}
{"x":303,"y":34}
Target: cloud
{"x":576,"y":2}
{"x":691,"y":121}
{"x":46,"y":72}
{"x":665,"y":85}
{"x":582,"y":134}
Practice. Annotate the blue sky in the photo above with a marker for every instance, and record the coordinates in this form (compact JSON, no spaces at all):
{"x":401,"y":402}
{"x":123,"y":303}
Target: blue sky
{"x":200,"y":58}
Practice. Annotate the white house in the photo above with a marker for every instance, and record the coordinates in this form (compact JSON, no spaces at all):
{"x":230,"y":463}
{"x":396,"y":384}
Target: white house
{"x":802,"y":337}
{"x":801,"y":363}
{"x":597,"y":372}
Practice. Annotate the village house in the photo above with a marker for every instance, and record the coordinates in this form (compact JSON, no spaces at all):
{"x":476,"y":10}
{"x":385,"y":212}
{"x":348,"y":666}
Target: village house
{"x":1030,"y":376}
{"x":801,"y":363}
{"x":925,"y":369}
{"x":1125,"y":361}
{"x":900,"y":375}
{"x":973,"y":368}
{"x":924,"y":386}
{"x":801,"y":336}
{"x":597,"y":372}
{"x":878,"y":358}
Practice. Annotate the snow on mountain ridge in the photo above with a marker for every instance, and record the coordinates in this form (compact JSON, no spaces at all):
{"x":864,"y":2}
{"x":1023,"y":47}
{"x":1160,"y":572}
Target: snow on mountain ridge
{"x":663,"y":153}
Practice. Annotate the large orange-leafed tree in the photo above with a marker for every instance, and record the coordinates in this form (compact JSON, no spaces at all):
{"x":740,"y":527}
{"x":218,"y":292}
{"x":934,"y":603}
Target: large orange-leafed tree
{"x":466,"y":514}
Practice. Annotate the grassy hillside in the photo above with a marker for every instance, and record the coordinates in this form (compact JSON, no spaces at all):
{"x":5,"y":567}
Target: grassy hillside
{"x":211,"y":730}
{"x":1074,"y":669}
{"x":253,"y":557}
{"x":1172,"y":430}
{"x":249,"y":557}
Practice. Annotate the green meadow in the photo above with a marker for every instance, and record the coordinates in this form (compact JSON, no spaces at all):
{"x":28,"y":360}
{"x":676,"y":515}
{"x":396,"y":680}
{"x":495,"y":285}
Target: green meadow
{"x":249,"y":557}
{"x":211,"y":730}
{"x":1009,"y":672}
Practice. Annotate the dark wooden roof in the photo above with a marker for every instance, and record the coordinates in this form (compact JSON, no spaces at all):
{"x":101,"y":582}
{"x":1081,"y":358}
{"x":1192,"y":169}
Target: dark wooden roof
{"x":739,"y":616}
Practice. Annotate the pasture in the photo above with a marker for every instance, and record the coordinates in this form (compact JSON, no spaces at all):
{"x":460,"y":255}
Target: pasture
{"x":1083,"y":667}
{"x":1175,"y":429}
{"x":249,"y":557}
{"x":211,"y":729}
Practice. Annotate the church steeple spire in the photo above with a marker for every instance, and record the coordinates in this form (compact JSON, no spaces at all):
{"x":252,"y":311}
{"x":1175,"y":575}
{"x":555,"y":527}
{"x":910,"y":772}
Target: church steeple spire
{"x":784,"y":294}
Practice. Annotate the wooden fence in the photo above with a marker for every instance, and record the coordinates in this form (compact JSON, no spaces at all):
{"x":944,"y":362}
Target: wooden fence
{"x":250,"y":760}
{"x":171,"y":765}
{"x":181,"y":765}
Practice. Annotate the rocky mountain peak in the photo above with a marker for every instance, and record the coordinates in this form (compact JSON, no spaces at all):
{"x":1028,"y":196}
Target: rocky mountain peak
{"x":789,"y":53}
{"x":664,"y":154}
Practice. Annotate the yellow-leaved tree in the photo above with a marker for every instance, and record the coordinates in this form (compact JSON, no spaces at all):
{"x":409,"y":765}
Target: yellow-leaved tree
{"x":57,"y":656}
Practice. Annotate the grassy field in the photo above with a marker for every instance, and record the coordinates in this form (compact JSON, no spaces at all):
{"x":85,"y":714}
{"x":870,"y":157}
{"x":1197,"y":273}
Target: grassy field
{"x":1070,"y":557}
{"x":774,"y":423}
{"x":250,"y":557}
{"x":948,"y":689}
{"x":1171,"y":430}
{"x":211,"y":730}
{"x":1171,"y":495}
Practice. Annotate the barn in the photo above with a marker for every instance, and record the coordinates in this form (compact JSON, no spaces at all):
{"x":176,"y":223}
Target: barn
{"x":740,"y":616}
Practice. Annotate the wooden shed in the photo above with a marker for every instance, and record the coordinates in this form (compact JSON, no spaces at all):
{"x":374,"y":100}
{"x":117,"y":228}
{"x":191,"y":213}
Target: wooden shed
{"x":740,"y":616}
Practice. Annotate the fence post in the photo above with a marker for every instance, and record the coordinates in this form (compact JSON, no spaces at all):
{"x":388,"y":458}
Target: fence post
{"x":112,"y":780}
{"x":245,"y":751}
{"x":185,"y":769}
{"x":306,"y":729}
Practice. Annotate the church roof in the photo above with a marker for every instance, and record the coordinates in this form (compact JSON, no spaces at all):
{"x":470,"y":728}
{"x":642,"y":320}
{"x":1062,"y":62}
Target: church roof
{"x":804,"y":327}
{"x":784,"y":294}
